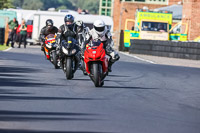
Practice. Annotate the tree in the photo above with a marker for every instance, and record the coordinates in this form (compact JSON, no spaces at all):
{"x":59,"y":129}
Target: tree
{"x":68,"y":4}
{"x":61,"y":7}
{"x":32,"y":4}
{"x":50,"y":4}
{"x":5,"y":4}
{"x":17,"y":3}
{"x":91,"y":5}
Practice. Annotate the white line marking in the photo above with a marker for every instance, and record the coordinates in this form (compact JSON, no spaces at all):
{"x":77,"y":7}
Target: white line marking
{"x":137,"y":58}
{"x":8,"y":49}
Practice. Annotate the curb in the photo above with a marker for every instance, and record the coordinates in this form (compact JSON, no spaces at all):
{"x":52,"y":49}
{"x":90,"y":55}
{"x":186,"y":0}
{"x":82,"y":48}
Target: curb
{"x":7,"y":49}
{"x":137,"y":57}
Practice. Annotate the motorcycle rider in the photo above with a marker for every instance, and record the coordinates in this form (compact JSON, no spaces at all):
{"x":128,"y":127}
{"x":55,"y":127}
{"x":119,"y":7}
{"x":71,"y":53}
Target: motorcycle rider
{"x":100,"y":32}
{"x":46,"y":30}
{"x":70,"y":29}
{"x":82,"y":31}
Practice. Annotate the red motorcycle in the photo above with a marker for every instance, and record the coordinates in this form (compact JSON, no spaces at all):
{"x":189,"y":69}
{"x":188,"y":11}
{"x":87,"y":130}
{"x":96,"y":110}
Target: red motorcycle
{"x":96,"y":62}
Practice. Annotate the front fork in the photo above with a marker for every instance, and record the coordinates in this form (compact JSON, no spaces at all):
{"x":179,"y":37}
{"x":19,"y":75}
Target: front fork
{"x":75,"y":58}
{"x":46,"y":52}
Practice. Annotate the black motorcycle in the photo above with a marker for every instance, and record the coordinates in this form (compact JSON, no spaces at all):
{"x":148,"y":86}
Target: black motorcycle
{"x":70,"y":56}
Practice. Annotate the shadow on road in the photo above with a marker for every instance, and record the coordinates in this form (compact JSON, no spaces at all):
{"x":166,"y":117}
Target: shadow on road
{"x":10,"y":69}
{"x":11,"y":76}
{"x":33,"y":118}
{"x":104,"y":80}
{"x":36,"y":131}
{"x":25,"y":113}
{"x":17,"y":82}
{"x":108,"y":80}
{"x":125,"y":87}
{"x":43,"y":98}
{"x":29,"y":116}
{"x":123,"y":76}
{"x":9,"y":91}
{"x":82,"y":79}
{"x":120,"y":76}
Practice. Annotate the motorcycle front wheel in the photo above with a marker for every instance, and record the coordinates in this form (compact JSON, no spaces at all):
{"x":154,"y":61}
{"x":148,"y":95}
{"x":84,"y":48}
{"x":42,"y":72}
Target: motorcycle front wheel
{"x":97,"y":69}
{"x":69,"y":71}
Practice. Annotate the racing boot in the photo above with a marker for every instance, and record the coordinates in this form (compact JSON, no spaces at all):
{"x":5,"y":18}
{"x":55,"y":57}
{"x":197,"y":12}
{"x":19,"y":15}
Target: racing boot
{"x":112,"y":61}
{"x":109,"y":66}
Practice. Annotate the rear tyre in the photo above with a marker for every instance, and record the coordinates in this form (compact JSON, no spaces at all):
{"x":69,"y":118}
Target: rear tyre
{"x":97,"y":74}
{"x":69,"y":72}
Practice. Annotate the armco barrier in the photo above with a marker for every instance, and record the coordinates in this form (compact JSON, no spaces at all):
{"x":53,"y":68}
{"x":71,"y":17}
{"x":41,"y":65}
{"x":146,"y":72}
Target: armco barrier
{"x":185,"y":50}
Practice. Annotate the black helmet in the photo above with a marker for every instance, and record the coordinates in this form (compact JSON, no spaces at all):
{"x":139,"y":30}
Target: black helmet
{"x":49,"y":22}
{"x":69,"y":18}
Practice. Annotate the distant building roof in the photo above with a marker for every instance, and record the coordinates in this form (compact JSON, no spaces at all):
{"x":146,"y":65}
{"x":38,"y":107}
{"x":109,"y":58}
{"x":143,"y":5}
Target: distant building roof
{"x":176,"y":9}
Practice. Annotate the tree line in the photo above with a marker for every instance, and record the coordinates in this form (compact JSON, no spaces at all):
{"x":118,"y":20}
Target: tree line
{"x":91,"y":5}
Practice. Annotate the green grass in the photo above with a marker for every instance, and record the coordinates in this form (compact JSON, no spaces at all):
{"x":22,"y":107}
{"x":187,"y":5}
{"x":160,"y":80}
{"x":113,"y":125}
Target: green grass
{"x":3,"y":47}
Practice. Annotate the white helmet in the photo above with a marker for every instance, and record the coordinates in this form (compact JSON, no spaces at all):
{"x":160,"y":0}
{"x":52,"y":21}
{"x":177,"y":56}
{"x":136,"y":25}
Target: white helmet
{"x":99,"y":26}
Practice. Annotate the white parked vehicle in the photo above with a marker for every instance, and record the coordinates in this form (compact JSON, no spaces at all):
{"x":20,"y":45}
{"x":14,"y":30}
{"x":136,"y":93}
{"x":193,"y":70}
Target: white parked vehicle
{"x":38,"y":19}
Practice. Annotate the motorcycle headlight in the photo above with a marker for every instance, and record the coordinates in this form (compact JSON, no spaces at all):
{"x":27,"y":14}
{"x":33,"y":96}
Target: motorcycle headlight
{"x":73,"y":51}
{"x":49,"y":45}
{"x":65,"y":50}
{"x":68,"y":46}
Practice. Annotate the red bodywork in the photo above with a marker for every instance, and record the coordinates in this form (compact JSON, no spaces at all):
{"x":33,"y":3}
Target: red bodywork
{"x":97,"y":54}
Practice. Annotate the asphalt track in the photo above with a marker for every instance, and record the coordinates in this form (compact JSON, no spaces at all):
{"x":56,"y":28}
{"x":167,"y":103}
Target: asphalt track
{"x":137,"y":97}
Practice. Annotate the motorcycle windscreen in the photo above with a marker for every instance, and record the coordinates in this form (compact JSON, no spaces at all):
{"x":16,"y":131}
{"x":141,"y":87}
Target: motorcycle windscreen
{"x":51,"y":38}
{"x":95,"y":43}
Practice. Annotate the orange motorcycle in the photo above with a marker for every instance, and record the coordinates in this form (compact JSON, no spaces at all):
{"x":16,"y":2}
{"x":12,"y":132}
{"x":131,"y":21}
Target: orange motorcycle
{"x":50,"y":50}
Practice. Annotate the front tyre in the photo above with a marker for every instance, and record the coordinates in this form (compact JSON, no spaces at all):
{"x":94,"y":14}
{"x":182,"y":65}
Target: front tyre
{"x":97,"y":74}
{"x":69,"y":72}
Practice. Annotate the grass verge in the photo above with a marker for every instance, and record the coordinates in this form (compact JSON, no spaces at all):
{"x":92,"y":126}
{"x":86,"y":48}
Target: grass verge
{"x":3,"y":47}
